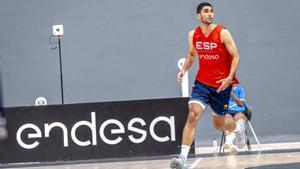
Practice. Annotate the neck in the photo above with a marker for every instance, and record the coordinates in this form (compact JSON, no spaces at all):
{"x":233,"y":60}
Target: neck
{"x":205,"y":27}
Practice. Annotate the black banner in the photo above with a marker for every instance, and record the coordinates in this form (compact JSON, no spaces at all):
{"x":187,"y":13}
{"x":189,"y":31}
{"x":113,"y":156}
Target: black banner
{"x":94,"y":130}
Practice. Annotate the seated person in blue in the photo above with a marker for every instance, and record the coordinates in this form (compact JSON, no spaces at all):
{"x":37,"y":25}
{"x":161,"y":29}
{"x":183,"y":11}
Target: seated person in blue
{"x":236,"y":109}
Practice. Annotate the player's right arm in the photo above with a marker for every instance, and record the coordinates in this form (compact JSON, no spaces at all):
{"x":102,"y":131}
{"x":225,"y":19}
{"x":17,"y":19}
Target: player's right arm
{"x":189,"y":58}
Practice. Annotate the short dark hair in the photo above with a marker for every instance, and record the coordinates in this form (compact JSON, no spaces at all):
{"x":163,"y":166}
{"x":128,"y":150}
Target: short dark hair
{"x":201,"y":5}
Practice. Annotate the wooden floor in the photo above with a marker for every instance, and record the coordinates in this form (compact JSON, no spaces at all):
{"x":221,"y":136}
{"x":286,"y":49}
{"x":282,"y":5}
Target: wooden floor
{"x":285,"y":156}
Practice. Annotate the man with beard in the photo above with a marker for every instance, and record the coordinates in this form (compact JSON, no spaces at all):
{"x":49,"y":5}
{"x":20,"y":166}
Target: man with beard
{"x":218,"y":62}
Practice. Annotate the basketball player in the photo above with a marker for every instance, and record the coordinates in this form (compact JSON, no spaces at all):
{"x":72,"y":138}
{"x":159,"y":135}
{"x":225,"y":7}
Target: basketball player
{"x":218,"y":62}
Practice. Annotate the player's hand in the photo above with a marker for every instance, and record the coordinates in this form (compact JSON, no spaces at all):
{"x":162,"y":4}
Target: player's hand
{"x":180,"y":77}
{"x":224,"y":84}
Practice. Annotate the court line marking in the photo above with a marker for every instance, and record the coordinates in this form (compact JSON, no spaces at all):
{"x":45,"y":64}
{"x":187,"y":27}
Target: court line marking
{"x":195,"y":163}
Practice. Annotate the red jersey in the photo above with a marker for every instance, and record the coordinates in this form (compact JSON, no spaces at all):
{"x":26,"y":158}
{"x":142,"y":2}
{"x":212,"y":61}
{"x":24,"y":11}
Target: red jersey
{"x":214,"y":59}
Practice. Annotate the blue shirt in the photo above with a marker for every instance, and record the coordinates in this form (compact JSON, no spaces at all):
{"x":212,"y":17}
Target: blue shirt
{"x":232,"y":106}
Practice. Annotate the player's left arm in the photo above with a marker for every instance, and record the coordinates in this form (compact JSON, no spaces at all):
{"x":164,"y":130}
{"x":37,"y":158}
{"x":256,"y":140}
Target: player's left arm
{"x":229,"y":43}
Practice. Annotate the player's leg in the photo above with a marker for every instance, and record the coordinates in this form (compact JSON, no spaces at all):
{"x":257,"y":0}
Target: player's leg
{"x":222,"y":123}
{"x":197,"y":104}
{"x":219,"y":105}
{"x":240,"y":116}
{"x":189,"y":131}
{"x":237,"y":127}
{"x":240,"y":119}
{"x":229,"y":136}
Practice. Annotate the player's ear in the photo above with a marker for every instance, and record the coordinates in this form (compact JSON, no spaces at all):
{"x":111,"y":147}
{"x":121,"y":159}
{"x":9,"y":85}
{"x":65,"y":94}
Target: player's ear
{"x":198,"y":16}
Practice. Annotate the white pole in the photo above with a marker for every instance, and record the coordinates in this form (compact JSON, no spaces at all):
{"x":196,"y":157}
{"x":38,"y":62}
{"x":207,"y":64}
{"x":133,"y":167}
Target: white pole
{"x":258,"y":143}
{"x":185,"y":80}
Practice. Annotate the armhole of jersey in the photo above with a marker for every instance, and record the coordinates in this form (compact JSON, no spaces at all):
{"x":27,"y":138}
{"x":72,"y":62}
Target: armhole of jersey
{"x":195,"y":30}
{"x":221,"y":27}
{"x":194,"y":35}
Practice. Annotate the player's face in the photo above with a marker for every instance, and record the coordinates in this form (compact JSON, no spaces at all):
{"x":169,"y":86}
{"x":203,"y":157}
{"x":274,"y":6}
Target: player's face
{"x":206,"y":15}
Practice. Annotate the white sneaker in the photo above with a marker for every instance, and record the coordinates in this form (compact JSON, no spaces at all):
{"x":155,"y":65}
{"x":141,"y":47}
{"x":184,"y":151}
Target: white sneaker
{"x":178,"y":163}
{"x":241,"y":138}
{"x":230,"y":146}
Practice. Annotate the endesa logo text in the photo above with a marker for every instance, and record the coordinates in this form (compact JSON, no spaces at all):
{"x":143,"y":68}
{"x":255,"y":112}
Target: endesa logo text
{"x":31,"y":141}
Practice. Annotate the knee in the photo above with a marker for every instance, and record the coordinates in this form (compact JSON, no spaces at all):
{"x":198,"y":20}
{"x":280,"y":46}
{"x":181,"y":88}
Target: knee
{"x":239,"y":116}
{"x":219,"y":127}
{"x":193,"y":117}
{"x":228,"y":124}
{"x":218,"y":123}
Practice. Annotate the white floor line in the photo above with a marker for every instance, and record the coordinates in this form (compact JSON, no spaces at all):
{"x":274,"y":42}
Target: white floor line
{"x":255,"y":147}
{"x":195,"y":163}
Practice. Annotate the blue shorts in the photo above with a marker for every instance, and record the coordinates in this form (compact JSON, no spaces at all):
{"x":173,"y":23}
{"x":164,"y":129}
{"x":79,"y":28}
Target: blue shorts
{"x":207,"y":95}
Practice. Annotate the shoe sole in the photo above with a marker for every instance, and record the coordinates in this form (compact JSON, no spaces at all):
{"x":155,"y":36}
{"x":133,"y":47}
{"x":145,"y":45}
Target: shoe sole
{"x":226,"y":146}
{"x":176,"y":165}
{"x":231,"y":149}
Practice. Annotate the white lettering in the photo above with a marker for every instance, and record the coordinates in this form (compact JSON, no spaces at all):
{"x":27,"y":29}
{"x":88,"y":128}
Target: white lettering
{"x":38,"y":134}
{"x":113,"y":131}
{"x":137,"y":130}
{"x":91,"y":125}
{"x":198,"y":45}
{"x":206,"y":45}
{"x":48,"y":128}
{"x":171,"y":123}
{"x":131,"y":126}
{"x":209,"y":57}
{"x":213,"y":45}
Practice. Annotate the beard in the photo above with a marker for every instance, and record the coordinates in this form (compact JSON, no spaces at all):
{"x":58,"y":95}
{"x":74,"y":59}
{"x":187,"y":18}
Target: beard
{"x":208,"y":21}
